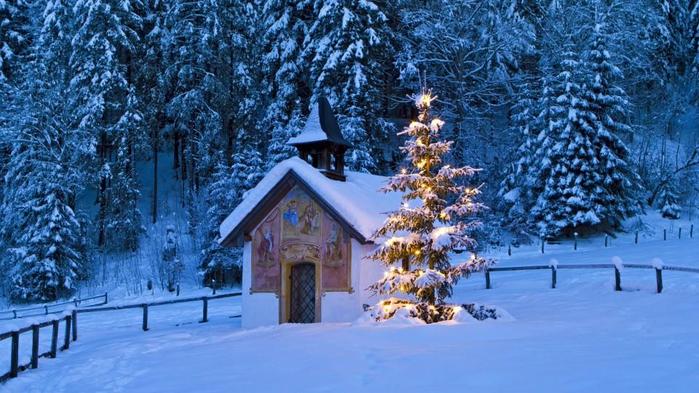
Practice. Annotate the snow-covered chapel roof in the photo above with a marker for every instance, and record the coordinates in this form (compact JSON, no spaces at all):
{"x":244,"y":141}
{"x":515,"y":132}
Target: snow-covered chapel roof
{"x":321,"y":125}
{"x":357,"y":202}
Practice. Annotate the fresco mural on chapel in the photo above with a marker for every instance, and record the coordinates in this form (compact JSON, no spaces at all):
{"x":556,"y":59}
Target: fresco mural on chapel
{"x":298,"y":230}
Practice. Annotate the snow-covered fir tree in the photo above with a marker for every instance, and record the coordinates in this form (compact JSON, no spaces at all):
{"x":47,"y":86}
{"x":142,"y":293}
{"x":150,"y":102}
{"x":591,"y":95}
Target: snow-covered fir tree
{"x":435,"y":219}
{"x":45,"y":253}
{"x":344,"y":47}
{"x":124,"y":222}
{"x":282,"y":42}
{"x":14,"y":36}
{"x":517,"y":188}
{"x":667,"y":202}
{"x":100,"y":82}
{"x":224,"y":194}
{"x":569,"y":200}
{"x":608,"y":101}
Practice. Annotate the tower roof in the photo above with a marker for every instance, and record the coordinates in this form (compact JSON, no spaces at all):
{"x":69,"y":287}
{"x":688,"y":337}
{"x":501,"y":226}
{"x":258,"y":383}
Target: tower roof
{"x":321,"y":126}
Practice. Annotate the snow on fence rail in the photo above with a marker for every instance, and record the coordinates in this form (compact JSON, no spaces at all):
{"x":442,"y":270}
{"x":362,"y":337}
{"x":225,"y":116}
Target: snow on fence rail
{"x":47,"y":309}
{"x":607,"y":239}
{"x":70,"y":322}
{"x":71,"y":329}
{"x":554,"y":267}
{"x":145,"y":306}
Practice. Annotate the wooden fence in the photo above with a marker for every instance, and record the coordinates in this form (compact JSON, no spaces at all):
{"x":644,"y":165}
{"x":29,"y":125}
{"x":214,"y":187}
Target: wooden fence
{"x":54,"y":308}
{"x":617,"y":272}
{"x":71,"y":330}
{"x":15,"y":367}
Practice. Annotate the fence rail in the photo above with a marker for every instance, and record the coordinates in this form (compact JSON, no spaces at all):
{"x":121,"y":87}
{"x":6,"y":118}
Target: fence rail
{"x":617,"y":272}
{"x":47,"y":309}
{"x":71,"y":329}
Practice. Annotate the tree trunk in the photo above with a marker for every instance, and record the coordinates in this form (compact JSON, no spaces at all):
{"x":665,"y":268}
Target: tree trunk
{"x":102,"y":197}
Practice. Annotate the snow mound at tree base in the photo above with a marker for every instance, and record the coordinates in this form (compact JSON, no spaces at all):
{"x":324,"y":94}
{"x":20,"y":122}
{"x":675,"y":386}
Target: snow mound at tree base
{"x":405,"y":312}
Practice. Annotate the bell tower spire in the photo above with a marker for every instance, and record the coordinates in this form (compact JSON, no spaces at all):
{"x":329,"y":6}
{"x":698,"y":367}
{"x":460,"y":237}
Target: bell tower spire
{"x":321,"y":143}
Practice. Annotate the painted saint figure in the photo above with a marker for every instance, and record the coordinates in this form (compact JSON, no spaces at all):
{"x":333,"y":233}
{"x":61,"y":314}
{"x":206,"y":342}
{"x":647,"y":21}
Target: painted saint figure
{"x":309,"y":219}
{"x":291,"y":215}
{"x":333,"y":251}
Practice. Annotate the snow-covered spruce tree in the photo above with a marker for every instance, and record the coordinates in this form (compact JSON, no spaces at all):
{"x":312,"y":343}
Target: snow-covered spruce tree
{"x":434,"y":220}
{"x":516,"y":189}
{"x":14,"y":36}
{"x":224,"y":194}
{"x":45,"y":254}
{"x":124,"y":221}
{"x":284,"y":29}
{"x":616,"y":199}
{"x":100,"y":83}
{"x":346,"y":47}
{"x":667,"y":202}
{"x":569,"y":158}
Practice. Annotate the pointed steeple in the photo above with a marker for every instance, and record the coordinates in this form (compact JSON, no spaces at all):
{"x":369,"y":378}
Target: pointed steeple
{"x":321,"y":143}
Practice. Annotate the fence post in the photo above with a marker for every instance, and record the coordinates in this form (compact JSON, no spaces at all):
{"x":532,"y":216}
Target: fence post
{"x":659,"y":279}
{"x":145,"y":317}
{"x":606,"y":240}
{"x":54,"y":337}
{"x":74,"y":318}
{"x":679,"y":233}
{"x":691,"y":231}
{"x":105,"y":298}
{"x":617,"y":279}
{"x":178,"y":289}
{"x":35,"y":346}
{"x":205,"y":310}
{"x":46,"y":310}
{"x":664,"y":234}
{"x":509,"y":250}
{"x":553,"y":277}
{"x":575,"y":241}
{"x":487,"y":278}
{"x":542,"y":244}
{"x":14,"y":360}
{"x":636,"y":238}
{"x":66,"y":338}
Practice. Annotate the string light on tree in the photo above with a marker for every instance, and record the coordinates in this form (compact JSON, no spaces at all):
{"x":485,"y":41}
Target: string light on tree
{"x":423,"y":238}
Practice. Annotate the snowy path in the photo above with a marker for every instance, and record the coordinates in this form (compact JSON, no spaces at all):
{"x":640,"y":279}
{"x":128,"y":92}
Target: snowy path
{"x":581,"y":337}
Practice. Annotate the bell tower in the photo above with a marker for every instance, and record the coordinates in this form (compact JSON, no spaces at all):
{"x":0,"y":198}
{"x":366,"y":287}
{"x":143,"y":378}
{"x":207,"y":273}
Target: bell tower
{"x":321,"y":143}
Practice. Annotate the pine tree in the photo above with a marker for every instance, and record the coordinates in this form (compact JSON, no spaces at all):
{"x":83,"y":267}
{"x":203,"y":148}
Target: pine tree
{"x":124,"y":221}
{"x":569,"y":159}
{"x":435,"y":219}
{"x":344,"y":47}
{"x":45,"y":249}
{"x":54,"y":39}
{"x":517,"y":189}
{"x":284,"y":29}
{"x":667,"y":201}
{"x":14,"y":36}
{"x":100,"y":82}
{"x":610,"y":106}
{"x":192,"y":52}
{"x":224,"y":194}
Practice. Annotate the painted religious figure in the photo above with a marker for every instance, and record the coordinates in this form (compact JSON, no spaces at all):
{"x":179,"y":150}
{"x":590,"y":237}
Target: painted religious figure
{"x":266,"y":270}
{"x":301,"y":216}
{"x":336,"y":270}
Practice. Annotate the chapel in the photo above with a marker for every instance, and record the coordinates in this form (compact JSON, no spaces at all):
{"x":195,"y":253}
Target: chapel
{"x":306,"y":230}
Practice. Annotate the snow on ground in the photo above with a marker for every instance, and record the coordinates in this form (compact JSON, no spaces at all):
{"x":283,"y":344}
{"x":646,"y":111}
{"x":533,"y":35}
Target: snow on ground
{"x":581,"y":337}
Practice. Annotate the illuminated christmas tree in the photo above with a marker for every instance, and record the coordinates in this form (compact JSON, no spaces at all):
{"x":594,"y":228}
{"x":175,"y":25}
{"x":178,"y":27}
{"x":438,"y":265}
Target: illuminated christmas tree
{"x":433,"y":222}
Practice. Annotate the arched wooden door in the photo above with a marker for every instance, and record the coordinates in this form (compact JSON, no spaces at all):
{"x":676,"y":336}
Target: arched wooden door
{"x":302,"y":294}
